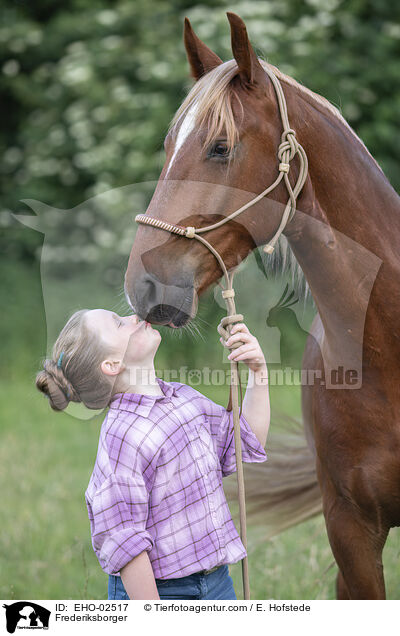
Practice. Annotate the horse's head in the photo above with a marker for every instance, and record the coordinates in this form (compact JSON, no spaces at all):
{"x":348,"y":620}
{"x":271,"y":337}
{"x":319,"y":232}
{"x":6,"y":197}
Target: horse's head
{"x":221,"y":149}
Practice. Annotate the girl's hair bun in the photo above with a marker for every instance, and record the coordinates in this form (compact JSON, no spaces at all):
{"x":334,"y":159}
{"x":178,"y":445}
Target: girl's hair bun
{"x":53,"y":383}
{"x":73,"y":371}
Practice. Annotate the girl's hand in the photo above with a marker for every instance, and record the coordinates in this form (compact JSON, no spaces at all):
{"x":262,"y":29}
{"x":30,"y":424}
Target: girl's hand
{"x":249,"y":352}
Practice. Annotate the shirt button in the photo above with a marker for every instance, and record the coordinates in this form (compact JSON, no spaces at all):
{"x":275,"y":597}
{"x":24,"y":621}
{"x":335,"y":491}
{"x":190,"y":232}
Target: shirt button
{"x":170,"y":406}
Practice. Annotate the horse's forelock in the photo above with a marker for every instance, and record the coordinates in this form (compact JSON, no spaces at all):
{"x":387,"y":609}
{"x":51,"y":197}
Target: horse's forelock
{"x":212,"y":96}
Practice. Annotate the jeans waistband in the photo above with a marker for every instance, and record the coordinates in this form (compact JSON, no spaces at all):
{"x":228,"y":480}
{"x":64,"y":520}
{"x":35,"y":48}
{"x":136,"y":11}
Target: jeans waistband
{"x":204,"y":572}
{"x":200,"y":572}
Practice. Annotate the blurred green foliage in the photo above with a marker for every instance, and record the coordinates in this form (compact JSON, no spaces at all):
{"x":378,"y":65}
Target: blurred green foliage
{"x":88,"y":88}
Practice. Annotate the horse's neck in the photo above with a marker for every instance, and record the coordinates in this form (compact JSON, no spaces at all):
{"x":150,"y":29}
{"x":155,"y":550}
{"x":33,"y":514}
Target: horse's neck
{"x":346,"y":230}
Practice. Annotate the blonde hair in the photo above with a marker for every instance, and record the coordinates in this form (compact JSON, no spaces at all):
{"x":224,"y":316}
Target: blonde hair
{"x":77,"y":377}
{"x":213,"y":97}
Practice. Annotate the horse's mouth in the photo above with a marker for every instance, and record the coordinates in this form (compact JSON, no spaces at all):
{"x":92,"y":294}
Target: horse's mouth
{"x":161,"y":315}
{"x":180,"y":319}
{"x":172,"y":316}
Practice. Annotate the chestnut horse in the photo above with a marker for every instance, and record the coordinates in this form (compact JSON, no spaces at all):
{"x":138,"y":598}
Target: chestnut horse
{"x":345,"y":233}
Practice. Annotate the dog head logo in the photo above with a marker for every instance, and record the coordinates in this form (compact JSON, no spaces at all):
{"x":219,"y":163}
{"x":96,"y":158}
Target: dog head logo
{"x":26,"y":615}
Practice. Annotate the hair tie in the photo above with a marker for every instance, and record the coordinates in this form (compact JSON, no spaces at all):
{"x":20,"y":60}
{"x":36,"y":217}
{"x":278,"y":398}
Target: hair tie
{"x":60,"y":359}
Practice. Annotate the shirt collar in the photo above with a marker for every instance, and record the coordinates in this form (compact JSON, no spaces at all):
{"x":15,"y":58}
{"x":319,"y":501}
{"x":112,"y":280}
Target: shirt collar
{"x":139,"y":403}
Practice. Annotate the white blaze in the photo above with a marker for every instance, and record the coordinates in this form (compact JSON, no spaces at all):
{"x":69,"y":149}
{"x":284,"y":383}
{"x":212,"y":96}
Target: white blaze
{"x":185,"y":129}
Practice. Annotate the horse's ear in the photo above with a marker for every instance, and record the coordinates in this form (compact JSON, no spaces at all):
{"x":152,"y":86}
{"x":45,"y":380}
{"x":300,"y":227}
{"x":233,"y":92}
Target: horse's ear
{"x":201,"y":58}
{"x":250,"y":70}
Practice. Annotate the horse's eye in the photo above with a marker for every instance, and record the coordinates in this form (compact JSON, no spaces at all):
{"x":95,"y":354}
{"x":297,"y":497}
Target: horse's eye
{"x":219,"y":149}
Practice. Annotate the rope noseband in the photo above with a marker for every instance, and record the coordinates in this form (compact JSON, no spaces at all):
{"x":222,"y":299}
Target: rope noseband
{"x":287,"y":150}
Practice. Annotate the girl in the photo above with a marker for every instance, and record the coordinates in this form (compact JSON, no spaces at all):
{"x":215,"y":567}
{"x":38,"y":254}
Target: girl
{"x":160,"y":524}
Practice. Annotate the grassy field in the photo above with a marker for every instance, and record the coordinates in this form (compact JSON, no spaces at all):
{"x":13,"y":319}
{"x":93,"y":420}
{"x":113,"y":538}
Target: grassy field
{"x":45,"y":548}
{"x":46,"y":460}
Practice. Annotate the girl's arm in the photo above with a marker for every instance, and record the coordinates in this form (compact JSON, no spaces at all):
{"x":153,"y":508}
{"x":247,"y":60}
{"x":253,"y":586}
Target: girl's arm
{"x":256,"y":407}
{"x":138,"y":578}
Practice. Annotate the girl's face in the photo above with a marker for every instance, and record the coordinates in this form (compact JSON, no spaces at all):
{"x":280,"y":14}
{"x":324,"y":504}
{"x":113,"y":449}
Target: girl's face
{"x":132,"y":341}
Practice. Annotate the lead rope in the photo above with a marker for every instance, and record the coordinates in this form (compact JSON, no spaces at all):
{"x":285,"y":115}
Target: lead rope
{"x":224,"y":329}
{"x":288,"y":148}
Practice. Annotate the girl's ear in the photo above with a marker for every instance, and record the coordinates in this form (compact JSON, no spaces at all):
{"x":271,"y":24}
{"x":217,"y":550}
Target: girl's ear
{"x":111,"y":367}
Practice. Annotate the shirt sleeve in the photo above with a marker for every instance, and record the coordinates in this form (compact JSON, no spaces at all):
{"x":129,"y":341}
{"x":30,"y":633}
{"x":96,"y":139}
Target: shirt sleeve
{"x":252,"y":450}
{"x":118,"y":513}
{"x":221,"y":424}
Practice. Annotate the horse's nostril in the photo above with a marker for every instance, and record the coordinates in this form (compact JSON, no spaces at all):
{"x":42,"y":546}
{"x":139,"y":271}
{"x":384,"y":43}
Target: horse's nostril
{"x":146,"y":291}
{"x":160,"y":303}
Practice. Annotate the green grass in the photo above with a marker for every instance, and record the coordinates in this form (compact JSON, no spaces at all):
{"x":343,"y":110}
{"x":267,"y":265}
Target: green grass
{"x":46,"y":460}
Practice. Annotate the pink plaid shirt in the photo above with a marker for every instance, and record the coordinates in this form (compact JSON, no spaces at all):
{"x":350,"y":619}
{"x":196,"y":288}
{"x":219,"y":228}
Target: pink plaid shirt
{"x":157,"y":482}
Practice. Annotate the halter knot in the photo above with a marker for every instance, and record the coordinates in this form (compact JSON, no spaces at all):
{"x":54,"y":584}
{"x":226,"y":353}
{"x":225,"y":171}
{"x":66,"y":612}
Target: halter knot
{"x":287,"y":134}
{"x":228,"y":293}
{"x":288,"y":146}
{"x":268,"y":249}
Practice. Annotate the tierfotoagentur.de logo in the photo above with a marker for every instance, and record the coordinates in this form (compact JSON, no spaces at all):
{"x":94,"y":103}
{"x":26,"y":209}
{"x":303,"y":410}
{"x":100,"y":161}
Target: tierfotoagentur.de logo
{"x":26,"y":615}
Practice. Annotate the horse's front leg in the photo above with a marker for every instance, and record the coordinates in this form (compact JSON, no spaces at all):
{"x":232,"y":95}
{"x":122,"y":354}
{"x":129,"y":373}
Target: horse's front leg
{"x":342,"y":593}
{"x":357,"y":543}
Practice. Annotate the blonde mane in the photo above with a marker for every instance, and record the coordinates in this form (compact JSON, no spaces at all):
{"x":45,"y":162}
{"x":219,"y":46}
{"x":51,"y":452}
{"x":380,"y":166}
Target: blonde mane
{"x":211,"y":98}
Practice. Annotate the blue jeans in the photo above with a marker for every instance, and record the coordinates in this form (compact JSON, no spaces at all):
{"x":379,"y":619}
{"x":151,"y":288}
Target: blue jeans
{"x":215,"y":586}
